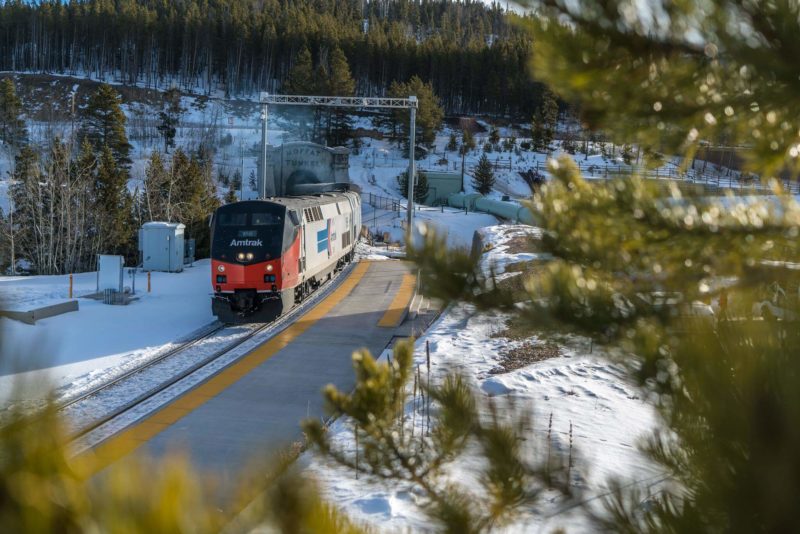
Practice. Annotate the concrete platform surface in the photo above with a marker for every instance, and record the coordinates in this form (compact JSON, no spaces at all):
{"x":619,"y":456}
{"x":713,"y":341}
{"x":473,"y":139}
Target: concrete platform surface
{"x":253,"y":408}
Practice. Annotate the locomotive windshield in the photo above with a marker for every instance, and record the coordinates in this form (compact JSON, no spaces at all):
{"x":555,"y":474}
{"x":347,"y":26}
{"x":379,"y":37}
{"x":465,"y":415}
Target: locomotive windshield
{"x":254,"y":227}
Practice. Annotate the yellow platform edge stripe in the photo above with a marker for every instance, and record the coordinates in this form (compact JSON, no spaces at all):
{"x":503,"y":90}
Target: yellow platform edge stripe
{"x":145,"y":429}
{"x":402,"y":299}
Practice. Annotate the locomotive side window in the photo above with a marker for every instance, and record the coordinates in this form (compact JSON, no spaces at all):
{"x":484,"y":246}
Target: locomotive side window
{"x":265,"y":219}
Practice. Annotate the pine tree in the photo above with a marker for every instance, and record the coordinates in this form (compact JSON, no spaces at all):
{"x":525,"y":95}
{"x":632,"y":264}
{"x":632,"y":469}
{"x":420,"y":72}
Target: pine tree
{"x":467,"y":141}
{"x":483,"y":179}
{"x":301,"y":79}
{"x":421,"y":187}
{"x":549,"y":116}
{"x":452,"y":143}
{"x":158,"y":187}
{"x":429,"y":113}
{"x":12,"y":127}
{"x":104,"y":124}
{"x":232,"y":195}
{"x":340,"y":83}
{"x":194,"y":196}
{"x":112,"y":205}
{"x":726,"y":386}
{"x":169,"y":116}
{"x":511,"y":480}
{"x":545,"y":121}
{"x":26,"y":201}
{"x":160,"y":494}
{"x":494,"y":136}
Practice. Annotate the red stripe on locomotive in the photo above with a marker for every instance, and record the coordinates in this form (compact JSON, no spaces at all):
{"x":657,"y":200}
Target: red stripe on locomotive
{"x":291,"y":264}
{"x":239,"y":276}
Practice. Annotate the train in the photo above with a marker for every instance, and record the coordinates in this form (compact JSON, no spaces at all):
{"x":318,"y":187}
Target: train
{"x":269,"y":255}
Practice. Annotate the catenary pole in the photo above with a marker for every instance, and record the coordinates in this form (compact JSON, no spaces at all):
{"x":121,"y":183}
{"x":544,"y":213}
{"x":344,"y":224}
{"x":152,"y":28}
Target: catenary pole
{"x":411,"y":163}
{"x":409,"y":103}
{"x":262,"y":185}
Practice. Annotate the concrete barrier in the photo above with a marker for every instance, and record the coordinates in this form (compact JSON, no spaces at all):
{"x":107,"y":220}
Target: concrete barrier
{"x":30,"y":317}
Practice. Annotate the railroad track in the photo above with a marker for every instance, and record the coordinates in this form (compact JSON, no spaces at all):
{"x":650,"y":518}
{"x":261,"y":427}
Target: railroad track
{"x":158,"y":358}
{"x":111,"y":400}
{"x":102,"y":393}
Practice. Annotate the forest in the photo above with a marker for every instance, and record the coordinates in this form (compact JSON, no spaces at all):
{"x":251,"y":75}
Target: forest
{"x":473,"y":54}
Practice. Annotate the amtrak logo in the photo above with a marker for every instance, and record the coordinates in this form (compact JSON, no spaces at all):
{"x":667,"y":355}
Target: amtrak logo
{"x":246,"y":243}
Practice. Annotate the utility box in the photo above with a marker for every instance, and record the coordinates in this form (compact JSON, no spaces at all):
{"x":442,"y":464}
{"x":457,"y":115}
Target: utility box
{"x":188,"y":254}
{"x":109,"y":272}
{"x":162,"y":246}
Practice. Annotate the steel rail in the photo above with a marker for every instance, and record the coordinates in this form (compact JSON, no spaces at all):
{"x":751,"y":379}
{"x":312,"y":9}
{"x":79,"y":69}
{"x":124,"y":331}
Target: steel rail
{"x":146,"y":365}
{"x":278,"y":325}
{"x":113,"y":414}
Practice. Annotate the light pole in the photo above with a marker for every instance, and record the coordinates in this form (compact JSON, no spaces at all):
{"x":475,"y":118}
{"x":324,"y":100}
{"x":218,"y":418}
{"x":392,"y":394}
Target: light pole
{"x":411,"y":163}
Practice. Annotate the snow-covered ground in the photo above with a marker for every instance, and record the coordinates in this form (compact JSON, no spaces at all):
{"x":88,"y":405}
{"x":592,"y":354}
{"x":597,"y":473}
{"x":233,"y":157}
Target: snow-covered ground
{"x":500,"y":252}
{"x":457,"y":226}
{"x":582,"y":386}
{"x":81,"y":346}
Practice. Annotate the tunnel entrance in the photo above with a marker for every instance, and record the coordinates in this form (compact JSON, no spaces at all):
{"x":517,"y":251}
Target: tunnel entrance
{"x":299,"y":181}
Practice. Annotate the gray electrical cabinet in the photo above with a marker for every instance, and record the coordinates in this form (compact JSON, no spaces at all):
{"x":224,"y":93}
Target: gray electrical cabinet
{"x":162,"y":246}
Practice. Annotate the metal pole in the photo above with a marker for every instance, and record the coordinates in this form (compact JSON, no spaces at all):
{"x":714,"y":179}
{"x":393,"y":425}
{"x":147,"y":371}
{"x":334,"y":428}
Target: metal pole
{"x":262,"y":186}
{"x":411,"y":163}
{"x":463,"y":163}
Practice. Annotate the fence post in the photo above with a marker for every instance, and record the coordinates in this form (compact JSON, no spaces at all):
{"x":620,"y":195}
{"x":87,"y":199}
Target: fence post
{"x":70,"y":285}
{"x":148,"y":282}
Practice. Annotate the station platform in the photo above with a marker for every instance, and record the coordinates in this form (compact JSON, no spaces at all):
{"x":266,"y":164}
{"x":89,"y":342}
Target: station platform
{"x":254,"y":407}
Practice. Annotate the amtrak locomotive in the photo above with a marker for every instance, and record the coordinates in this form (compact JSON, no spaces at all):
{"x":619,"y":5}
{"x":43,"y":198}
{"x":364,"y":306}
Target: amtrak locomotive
{"x":268,"y":255}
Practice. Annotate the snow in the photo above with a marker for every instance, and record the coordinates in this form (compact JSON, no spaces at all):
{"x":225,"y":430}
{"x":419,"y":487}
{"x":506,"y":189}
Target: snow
{"x":74,"y":347}
{"x":458,"y":227}
{"x":582,"y":387}
{"x":500,"y":255}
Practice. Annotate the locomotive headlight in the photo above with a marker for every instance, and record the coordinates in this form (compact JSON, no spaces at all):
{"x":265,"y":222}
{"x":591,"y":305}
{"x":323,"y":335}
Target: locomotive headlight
{"x":240,"y":256}
{"x":250,"y":256}
{"x":269,"y":267}
{"x":221,"y":268}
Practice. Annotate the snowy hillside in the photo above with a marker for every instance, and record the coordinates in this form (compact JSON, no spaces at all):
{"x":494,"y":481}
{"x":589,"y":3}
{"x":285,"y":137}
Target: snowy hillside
{"x":233,"y":128}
